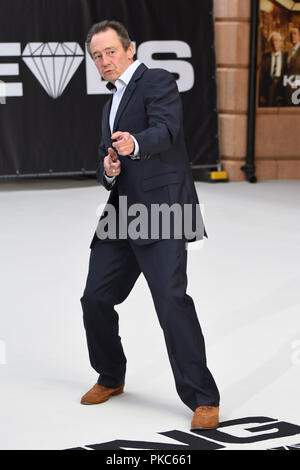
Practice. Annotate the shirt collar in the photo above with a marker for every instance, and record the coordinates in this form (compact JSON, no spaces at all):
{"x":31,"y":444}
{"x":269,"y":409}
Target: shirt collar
{"x":295,"y":48}
{"x":125,"y":78}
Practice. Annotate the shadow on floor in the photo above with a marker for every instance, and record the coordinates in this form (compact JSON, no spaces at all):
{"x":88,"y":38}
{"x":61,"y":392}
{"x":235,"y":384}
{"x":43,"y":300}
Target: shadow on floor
{"x":29,"y":184}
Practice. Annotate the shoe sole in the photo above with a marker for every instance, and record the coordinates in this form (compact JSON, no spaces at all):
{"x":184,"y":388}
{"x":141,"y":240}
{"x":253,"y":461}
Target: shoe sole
{"x":204,"y":429}
{"x":99,"y":402}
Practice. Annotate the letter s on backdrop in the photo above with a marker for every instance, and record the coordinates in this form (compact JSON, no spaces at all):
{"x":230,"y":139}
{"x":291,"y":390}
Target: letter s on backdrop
{"x":181,"y":67}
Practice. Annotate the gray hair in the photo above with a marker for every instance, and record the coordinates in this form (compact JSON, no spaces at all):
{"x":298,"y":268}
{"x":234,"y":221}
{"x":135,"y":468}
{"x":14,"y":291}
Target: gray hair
{"x":275,"y":33}
{"x":104,"y":26}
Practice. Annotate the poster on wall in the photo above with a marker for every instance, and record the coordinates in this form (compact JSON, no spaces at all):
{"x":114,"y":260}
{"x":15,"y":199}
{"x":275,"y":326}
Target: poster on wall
{"x":279,"y":53}
{"x":53,"y":95}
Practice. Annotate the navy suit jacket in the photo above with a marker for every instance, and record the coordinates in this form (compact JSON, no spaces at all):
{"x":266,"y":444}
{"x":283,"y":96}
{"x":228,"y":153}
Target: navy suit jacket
{"x":151,"y":111}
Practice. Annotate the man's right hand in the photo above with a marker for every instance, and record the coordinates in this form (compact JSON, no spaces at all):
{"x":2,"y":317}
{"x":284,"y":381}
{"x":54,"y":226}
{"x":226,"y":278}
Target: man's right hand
{"x":112,"y":164}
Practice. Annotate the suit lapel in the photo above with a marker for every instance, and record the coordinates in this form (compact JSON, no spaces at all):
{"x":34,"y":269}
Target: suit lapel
{"x":271,"y":69}
{"x":128,"y":93}
{"x":125,"y":98}
{"x":105,"y":121}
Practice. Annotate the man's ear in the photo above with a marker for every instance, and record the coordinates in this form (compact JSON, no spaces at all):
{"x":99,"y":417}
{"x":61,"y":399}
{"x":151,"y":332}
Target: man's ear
{"x":130,"y":51}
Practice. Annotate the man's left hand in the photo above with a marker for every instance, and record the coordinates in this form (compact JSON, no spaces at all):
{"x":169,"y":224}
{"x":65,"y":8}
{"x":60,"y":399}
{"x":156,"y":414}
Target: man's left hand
{"x":124,"y":143}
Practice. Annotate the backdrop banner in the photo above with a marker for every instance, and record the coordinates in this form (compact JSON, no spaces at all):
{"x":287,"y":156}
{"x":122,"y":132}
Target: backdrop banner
{"x":52,"y":95}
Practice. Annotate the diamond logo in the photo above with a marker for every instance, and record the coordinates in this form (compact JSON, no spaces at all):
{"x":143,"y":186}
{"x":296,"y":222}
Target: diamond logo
{"x":53,"y":64}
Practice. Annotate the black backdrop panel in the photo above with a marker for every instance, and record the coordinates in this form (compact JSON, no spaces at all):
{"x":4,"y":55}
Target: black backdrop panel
{"x":51,"y":118}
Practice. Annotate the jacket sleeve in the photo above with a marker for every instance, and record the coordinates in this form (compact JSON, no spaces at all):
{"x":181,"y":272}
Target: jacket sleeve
{"x":164,"y":113}
{"x":100,"y":170}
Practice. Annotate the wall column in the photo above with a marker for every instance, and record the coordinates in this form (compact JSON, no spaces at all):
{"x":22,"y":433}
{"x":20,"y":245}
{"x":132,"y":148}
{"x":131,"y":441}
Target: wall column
{"x":232,"y":29}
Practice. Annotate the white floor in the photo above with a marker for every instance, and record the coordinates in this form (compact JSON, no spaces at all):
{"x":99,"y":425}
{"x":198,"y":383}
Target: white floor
{"x":245,"y":282}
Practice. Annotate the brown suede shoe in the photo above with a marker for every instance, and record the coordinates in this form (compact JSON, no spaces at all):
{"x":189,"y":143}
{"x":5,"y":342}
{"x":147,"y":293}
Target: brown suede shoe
{"x":99,"y":394}
{"x":205,"y":417}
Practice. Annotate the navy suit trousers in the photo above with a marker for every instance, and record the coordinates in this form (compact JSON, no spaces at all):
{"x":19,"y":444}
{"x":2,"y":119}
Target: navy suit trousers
{"x":114,"y":267}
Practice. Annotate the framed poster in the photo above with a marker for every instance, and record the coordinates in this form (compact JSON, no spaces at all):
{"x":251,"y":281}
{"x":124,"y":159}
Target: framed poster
{"x":279,"y":53}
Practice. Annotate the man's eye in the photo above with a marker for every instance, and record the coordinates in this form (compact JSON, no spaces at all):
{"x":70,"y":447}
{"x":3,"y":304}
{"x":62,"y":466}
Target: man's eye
{"x":111,"y":52}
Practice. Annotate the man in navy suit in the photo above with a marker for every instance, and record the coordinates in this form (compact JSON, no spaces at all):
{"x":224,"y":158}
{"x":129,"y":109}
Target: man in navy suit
{"x":143,"y":161}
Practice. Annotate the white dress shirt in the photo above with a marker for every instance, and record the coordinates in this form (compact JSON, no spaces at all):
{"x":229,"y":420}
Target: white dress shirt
{"x":118,"y":92}
{"x":276,"y":64}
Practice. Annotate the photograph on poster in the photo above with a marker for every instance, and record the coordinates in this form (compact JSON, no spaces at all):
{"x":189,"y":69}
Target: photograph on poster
{"x":279,"y":53}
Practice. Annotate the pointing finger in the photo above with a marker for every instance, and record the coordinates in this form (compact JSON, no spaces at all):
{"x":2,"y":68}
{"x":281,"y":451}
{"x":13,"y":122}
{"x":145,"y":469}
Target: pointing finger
{"x":117,"y":135}
{"x":112,"y":154}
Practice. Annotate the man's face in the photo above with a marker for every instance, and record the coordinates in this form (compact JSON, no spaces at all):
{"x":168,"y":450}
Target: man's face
{"x":295,"y":36}
{"x":109,"y":55}
{"x":276,"y":43}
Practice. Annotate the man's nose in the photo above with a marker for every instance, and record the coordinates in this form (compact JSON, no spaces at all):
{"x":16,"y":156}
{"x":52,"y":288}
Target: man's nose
{"x":105,"y":60}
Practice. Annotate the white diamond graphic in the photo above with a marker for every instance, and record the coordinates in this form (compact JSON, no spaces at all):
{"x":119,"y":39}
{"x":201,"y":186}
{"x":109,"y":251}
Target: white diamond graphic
{"x":53,"y":64}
